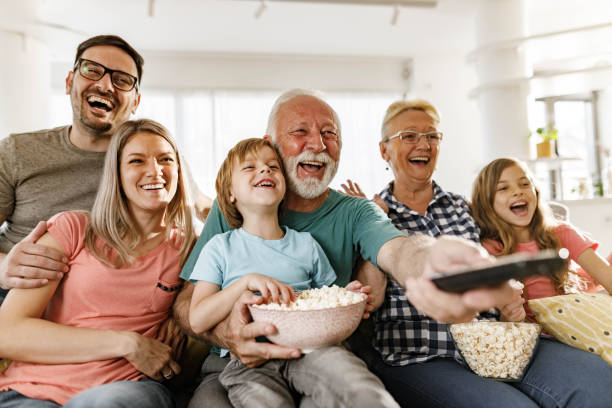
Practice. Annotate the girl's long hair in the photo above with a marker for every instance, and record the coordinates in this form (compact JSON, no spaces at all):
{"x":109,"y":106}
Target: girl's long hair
{"x":494,"y":229}
{"x":112,"y":234}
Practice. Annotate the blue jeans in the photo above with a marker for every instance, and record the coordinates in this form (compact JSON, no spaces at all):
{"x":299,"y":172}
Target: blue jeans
{"x":121,"y":394}
{"x":559,"y":376}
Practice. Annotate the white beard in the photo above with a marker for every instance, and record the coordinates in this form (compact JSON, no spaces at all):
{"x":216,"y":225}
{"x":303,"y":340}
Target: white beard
{"x":310,"y":187}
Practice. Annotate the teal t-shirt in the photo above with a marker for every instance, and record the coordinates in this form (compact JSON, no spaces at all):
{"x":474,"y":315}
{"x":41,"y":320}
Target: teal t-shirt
{"x":296,"y":259}
{"x":345,"y":227}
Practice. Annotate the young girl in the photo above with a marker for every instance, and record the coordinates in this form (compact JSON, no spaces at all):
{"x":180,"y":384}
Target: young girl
{"x":506,"y":205}
{"x":260,"y":255}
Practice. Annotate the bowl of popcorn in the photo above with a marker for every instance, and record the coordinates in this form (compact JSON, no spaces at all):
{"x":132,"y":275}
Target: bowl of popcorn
{"x":315,"y":318}
{"x":498,"y":350}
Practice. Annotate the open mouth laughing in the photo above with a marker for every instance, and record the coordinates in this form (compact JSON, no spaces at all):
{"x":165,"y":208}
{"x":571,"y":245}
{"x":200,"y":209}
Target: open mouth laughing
{"x":520,"y":208}
{"x":311,"y":166}
{"x":101,"y":103}
{"x":419,"y":160}
{"x":265,"y":183}
{"x":153,"y":186}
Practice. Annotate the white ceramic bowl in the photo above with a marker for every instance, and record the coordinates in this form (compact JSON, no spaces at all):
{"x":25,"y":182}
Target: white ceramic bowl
{"x":498,"y":350}
{"x":309,"y":329}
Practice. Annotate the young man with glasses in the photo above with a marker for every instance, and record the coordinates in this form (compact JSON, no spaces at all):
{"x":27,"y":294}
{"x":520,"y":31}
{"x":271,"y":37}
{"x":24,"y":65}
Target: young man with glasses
{"x":49,"y":171}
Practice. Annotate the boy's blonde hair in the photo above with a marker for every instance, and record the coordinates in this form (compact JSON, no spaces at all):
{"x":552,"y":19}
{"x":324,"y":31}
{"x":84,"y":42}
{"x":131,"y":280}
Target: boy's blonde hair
{"x":110,"y":219}
{"x":494,"y":228}
{"x":401,"y":106}
{"x":223,"y":184}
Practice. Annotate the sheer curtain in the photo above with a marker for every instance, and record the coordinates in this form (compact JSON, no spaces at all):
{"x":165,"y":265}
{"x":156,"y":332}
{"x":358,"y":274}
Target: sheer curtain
{"x":208,"y":123}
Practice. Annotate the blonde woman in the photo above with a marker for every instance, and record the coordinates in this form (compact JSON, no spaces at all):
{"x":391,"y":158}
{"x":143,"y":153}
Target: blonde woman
{"x":91,"y":339}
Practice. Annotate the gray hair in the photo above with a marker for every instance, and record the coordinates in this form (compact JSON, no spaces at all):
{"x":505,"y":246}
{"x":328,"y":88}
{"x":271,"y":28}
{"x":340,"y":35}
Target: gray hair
{"x":401,"y":106}
{"x":289,"y":95}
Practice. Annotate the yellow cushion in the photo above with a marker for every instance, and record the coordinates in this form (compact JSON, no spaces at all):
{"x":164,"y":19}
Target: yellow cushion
{"x":580,"y":320}
{"x":4,"y":363}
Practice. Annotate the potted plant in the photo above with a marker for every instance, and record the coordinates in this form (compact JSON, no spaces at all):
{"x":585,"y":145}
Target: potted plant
{"x":548,"y":135}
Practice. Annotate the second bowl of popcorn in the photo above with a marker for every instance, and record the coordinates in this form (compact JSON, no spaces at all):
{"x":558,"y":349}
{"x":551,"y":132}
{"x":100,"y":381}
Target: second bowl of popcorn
{"x":316,"y":318}
{"x":498,"y":350}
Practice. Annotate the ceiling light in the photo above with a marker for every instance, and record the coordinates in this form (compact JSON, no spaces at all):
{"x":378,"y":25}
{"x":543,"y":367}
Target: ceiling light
{"x":402,"y":3}
{"x":261,"y":9}
{"x":396,"y":11}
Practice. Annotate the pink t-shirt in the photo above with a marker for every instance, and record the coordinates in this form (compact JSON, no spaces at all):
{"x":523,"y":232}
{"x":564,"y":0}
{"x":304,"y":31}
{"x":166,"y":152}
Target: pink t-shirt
{"x":135,"y":298}
{"x":542,"y":286}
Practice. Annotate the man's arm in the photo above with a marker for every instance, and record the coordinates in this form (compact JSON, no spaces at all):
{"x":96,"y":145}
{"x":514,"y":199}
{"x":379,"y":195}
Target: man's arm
{"x":369,"y":275}
{"x":411,"y":259}
{"x":236,"y":333}
{"x":30,"y":265}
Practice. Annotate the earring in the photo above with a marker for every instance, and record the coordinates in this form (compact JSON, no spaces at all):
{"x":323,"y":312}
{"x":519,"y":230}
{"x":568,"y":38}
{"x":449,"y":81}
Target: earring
{"x":387,"y":168}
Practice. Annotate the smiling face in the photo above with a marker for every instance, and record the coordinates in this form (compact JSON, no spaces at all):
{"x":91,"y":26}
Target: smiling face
{"x":257,"y":182}
{"x":97,"y":106}
{"x":412,"y":164}
{"x":308,"y":140}
{"x":515,"y":199}
{"x":149,"y":173}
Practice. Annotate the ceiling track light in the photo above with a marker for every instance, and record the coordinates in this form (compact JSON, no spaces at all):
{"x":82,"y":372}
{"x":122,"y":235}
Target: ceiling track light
{"x":402,"y":3}
{"x":395,"y":16}
{"x":395,"y":3}
{"x":260,"y":10}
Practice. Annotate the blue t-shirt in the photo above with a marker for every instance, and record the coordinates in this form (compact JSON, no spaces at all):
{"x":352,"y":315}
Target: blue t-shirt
{"x":296,"y":259}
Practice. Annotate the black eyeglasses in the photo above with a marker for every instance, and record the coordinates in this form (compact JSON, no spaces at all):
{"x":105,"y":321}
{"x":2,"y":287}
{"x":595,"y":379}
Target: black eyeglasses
{"x":414,"y":137}
{"x":94,"y":71}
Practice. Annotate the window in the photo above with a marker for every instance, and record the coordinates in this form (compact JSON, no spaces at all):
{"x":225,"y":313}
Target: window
{"x":208,"y":123}
{"x":576,"y":170}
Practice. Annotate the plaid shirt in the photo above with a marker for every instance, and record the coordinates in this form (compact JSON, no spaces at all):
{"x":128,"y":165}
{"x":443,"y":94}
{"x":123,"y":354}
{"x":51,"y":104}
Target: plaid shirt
{"x":404,"y":335}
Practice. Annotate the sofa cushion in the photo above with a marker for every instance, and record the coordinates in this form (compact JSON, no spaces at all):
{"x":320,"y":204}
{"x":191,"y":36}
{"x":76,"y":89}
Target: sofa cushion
{"x":581,"y":320}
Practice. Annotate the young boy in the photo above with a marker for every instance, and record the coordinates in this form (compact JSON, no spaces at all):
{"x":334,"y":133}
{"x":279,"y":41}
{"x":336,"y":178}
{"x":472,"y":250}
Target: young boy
{"x":260,"y":255}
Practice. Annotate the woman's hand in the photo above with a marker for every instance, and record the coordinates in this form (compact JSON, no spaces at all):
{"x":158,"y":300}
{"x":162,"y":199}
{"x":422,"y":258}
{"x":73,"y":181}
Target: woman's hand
{"x":357,"y":286}
{"x":352,"y":189}
{"x":152,"y":357}
{"x":270,"y":288}
{"x":513,"y":311}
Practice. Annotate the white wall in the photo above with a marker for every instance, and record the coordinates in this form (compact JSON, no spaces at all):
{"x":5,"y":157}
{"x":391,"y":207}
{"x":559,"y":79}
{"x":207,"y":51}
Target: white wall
{"x":445,"y":80}
{"x":25,"y":83}
{"x":605,"y":129}
{"x":594,"y":217}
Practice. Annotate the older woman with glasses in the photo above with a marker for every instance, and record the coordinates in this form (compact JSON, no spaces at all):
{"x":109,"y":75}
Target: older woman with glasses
{"x":410,"y":144}
{"x":416,"y":358}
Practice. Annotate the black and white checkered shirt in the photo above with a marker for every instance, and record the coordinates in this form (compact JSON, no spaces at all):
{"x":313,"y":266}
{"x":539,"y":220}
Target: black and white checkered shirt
{"x":404,"y":335}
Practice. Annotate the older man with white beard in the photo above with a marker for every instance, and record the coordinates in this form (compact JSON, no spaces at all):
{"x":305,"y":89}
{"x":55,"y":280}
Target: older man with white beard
{"x":306,"y":131}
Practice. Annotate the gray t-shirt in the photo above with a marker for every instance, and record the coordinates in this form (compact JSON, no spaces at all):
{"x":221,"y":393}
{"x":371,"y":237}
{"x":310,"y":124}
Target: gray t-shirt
{"x":42,"y":174}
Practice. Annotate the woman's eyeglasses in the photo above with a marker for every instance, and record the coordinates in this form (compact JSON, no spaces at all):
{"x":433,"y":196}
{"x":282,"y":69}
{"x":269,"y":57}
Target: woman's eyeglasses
{"x":414,"y":137}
